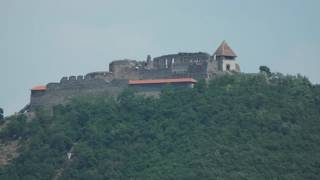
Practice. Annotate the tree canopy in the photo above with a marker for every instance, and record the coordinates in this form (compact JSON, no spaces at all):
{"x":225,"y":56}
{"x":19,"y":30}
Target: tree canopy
{"x":233,"y":127}
{"x":1,"y":116}
{"x":1,"y":113}
{"x":265,"y":69}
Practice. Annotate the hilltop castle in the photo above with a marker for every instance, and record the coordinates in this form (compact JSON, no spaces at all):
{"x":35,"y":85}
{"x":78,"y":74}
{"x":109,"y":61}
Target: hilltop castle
{"x":178,"y":69}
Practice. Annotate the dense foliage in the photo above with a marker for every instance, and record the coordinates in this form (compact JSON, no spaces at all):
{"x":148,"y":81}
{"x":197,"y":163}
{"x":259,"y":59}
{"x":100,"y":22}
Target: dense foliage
{"x":265,"y":69}
{"x":1,"y":114}
{"x":234,"y":127}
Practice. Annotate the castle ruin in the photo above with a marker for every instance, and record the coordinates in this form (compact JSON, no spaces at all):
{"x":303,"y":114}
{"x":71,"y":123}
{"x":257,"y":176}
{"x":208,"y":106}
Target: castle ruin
{"x":195,"y":66}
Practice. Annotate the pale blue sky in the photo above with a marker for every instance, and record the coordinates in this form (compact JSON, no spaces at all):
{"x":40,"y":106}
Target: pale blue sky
{"x":43,"y":40}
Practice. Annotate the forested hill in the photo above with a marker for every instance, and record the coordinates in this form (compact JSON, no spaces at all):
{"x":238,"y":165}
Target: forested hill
{"x":234,"y":127}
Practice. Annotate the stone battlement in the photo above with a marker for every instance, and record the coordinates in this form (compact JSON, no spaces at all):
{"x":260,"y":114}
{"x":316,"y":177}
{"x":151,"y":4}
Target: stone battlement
{"x":198,"y":65}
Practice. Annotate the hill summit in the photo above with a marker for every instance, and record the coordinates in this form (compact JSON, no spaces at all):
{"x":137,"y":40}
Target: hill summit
{"x":263,"y":126}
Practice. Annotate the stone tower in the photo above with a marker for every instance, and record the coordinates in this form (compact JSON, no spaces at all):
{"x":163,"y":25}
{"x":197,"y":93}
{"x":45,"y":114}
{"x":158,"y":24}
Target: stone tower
{"x":149,"y":62}
{"x":225,"y":58}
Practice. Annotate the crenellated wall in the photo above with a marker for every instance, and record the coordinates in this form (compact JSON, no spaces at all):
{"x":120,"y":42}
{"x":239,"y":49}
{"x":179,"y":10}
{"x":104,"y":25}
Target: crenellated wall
{"x":68,"y":87}
{"x":194,"y":65}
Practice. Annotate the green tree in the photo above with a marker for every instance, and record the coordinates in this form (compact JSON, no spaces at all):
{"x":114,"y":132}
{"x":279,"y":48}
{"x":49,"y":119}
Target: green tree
{"x":1,"y":116}
{"x":60,"y":142}
{"x":16,"y":128}
{"x":265,"y":69}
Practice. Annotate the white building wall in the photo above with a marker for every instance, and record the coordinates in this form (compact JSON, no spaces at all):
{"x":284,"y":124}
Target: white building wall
{"x":231,"y":63}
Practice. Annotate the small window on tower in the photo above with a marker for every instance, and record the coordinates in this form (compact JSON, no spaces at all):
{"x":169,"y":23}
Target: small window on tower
{"x":228,"y":67}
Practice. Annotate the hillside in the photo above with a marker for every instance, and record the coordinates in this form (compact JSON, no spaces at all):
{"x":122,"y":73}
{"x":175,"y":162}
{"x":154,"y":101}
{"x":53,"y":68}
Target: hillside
{"x":233,"y":127}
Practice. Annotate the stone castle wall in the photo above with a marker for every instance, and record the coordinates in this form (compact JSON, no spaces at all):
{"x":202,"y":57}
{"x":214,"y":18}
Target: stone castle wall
{"x":69,"y":87}
{"x":195,"y":65}
{"x":180,"y":62}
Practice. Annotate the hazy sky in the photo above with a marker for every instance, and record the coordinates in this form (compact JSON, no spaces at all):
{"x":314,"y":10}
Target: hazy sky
{"x":43,"y":40}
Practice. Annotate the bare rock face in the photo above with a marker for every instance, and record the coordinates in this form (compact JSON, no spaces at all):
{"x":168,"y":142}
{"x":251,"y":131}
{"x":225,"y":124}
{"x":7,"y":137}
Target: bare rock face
{"x":8,"y":151}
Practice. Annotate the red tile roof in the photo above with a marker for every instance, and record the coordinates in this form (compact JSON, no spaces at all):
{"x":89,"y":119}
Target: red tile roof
{"x":39,"y":88}
{"x":225,"y":50}
{"x":162,"y":81}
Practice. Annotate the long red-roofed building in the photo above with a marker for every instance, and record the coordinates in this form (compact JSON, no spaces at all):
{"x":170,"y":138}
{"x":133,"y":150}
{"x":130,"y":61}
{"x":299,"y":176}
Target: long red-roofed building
{"x":158,"y":83}
{"x":39,"y":88}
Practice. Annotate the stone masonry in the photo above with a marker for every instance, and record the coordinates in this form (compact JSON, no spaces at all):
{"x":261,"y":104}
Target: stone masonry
{"x":199,"y":65}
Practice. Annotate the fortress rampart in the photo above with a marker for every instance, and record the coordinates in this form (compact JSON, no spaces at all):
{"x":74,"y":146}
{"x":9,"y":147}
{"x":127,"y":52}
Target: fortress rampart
{"x":198,"y":65}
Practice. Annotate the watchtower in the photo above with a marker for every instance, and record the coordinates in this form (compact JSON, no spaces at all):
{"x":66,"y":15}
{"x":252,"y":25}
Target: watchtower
{"x":225,"y":58}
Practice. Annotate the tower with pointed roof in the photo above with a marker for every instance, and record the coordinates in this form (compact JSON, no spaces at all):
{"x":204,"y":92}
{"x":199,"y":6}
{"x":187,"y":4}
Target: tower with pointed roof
{"x":225,"y":58}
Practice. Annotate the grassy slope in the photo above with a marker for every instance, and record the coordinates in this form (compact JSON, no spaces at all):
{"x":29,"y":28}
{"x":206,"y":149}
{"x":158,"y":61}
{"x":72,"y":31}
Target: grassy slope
{"x":236,"y":127}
